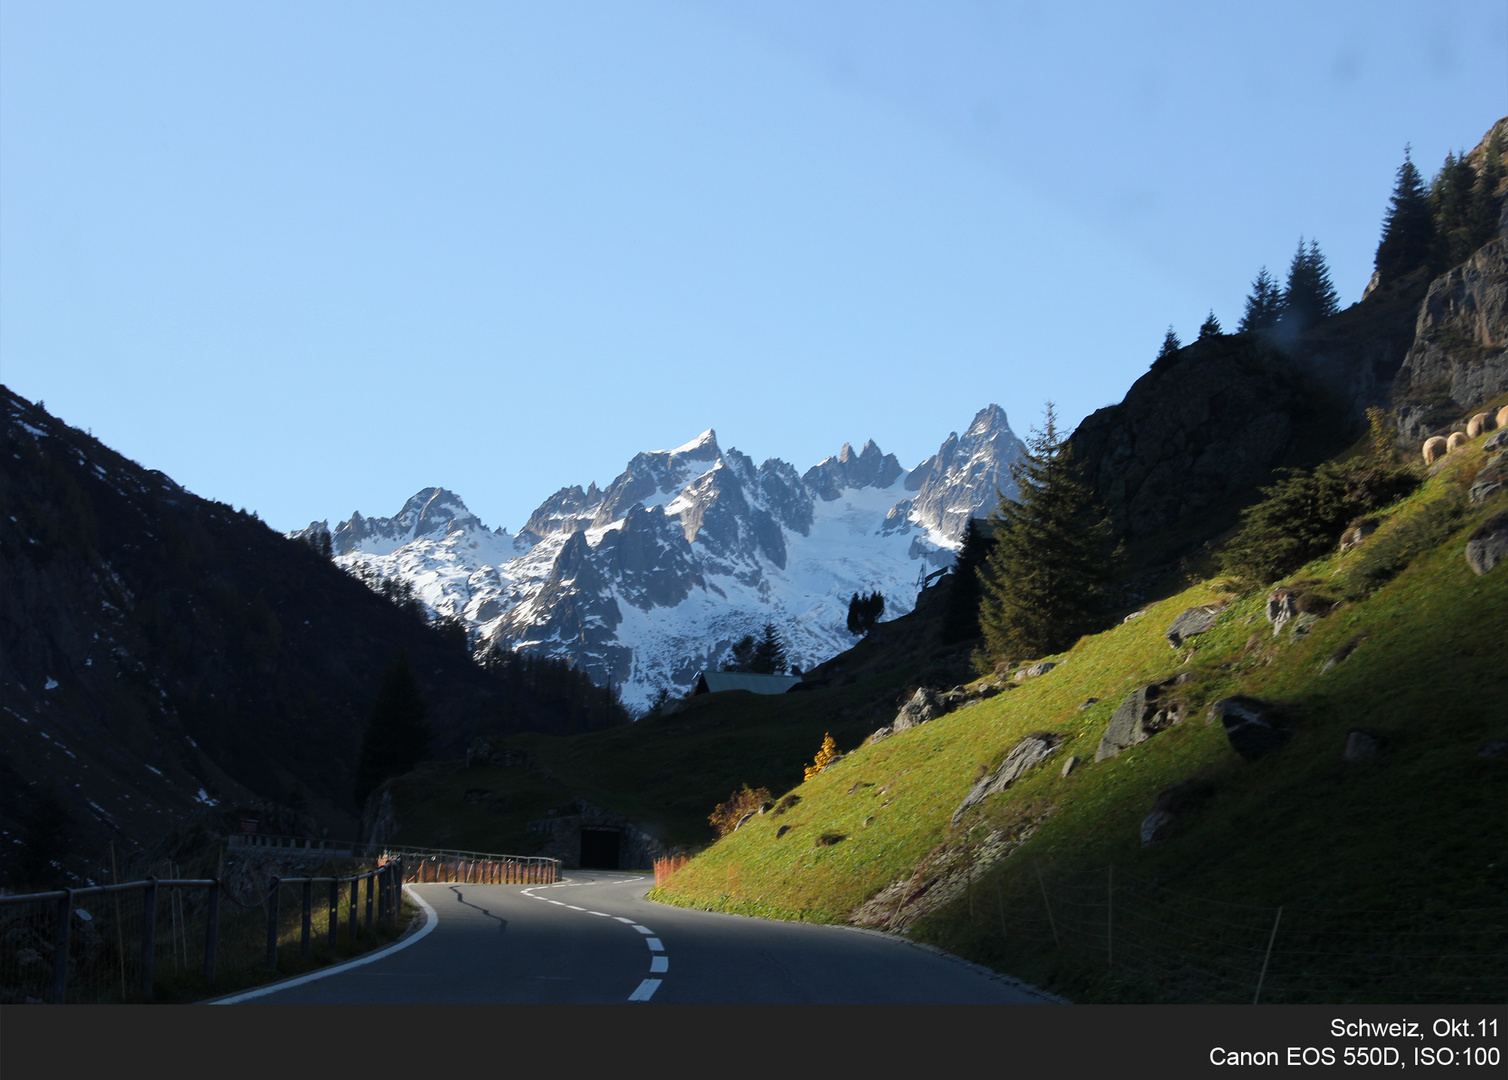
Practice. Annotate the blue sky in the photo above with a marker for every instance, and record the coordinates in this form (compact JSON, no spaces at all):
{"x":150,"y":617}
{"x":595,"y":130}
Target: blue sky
{"x":308,"y":258}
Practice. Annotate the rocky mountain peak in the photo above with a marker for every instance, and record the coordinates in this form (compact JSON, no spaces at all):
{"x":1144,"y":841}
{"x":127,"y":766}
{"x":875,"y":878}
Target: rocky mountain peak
{"x":645,"y":582}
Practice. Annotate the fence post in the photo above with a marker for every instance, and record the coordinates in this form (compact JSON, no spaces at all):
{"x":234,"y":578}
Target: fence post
{"x":60,"y":936}
{"x":211,"y":932}
{"x":355,"y":891}
{"x":1109,"y":918}
{"x":371,"y":878}
{"x":308,"y":918}
{"x":148,"y":934}
{"x":272,"y":923}
{"x":1273,"y":937}
{"x":1048,"y":905}
{"x":334,"y":910}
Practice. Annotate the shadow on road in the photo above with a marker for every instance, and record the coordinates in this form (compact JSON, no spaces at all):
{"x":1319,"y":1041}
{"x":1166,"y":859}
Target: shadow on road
{"x":502,"y":923}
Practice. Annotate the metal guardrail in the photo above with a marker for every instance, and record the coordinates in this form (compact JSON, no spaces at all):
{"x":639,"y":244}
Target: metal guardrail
{"x":93,"y":945}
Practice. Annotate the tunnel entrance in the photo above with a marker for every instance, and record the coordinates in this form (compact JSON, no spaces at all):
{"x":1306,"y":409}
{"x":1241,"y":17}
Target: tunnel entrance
{"x":599,"y":849}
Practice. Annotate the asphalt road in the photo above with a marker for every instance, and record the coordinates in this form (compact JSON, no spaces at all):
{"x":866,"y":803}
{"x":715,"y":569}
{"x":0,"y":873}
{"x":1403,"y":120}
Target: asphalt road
{"x":593,"y":938}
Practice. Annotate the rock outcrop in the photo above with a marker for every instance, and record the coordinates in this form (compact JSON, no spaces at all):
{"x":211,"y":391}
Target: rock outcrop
{"x":1030,"y":751}
{"x":1192,"y":623}
{"x":1143,"y":714}
{"x":1462,"y":331}
{"x":1490,"y":479}
{"x":1487,"y":544}
{"x":1254,"y":728}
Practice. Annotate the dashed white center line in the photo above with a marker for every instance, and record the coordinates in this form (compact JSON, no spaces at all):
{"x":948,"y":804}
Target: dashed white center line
{"x":645,"y":991}
{"x":659,"y":963}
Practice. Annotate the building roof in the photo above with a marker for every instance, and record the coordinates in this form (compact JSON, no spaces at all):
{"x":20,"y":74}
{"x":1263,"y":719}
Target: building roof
{"x":712,"y":682}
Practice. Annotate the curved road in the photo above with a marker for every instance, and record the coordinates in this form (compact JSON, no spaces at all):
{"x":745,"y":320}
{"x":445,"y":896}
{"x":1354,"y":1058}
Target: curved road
{"x":594,"y":938}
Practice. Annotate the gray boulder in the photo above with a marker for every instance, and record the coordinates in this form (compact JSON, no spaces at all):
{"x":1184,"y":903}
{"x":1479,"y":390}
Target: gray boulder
{"x":1496,"y":442}
{"x":1488,"y":544}
{"x":1254,"y":728}
{"x":1143,"y":714}
{"x":1357,"y":533}
{"x":1490,"y":479}
{"x":1159,"y":816}
{"x":1343,"y":652}
{"x":1041,"y":667}
{"x":1359,"y":747}
{"x":1192,"y":623}
{"x":1176,"y":801}
{"x":924,"y":705}
{"x":1282,"y":605}
{"x":1030,"y":751}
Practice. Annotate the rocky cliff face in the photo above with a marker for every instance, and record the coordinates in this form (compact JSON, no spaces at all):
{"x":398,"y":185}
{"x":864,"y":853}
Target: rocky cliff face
{"x":1204,"y":427}
{"x":644,"y":583}
{"x":1459,"y":358}
{"x":1196,"y":435}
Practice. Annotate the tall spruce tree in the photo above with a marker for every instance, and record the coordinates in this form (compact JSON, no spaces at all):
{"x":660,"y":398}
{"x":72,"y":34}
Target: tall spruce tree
{"x":1484,"y":200}
{"x":1310,"y":296}
{"x":769,"y":654}
{"x":1452,"y":197}
{"x":398,"y":731}
{"x":865,"y":611}
{"x":1044,"y":584}
{"x":1210,"y":328}
{"x":1264,"y":306}
{"x":960,"y":620}
{"x":1408,"y":231}
{"x":1170,"y":344}
{"x":741,"y":654}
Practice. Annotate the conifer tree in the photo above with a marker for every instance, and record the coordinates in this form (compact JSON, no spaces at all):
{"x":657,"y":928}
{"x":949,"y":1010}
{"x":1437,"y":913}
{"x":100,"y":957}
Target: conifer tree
{"x":1484,"y":199}
{"x":1408,"y":231}
{"x":741,"y":656}
{"x":1264,"y":306}
{"x":865,"y":611}
{"x":961,"y":614}
{"x":398,"y":731}
{"x":1045,"y":581}
{"x":1170,"y":344}
{"x":769,"y":653}
{"x":1310,"y":296}
{"x":1210,"y":328}
{"x":1452,"y":198}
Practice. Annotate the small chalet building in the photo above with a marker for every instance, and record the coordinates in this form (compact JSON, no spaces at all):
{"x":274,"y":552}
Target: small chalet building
{"x":714,"y":682}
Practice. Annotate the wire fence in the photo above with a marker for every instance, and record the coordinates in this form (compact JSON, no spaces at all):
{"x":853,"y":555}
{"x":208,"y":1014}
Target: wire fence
{"x":178,"y":938}
{"x":1176,"y":947}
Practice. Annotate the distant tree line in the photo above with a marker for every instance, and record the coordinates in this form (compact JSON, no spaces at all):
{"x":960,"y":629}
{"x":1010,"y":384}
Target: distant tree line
{"x":764,"y":655}
{"x":1433,"y":227}
{"x":1441,"y":225}
{"x":864,"y":611}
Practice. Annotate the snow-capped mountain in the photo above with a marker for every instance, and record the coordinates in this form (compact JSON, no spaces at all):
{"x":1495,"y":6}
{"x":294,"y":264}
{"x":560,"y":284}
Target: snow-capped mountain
{"x":650,"y":580}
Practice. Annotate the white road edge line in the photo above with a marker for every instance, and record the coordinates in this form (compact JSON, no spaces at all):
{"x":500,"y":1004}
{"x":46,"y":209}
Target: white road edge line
{"x":654,"y":944}
{"x":641,"y":929}
{"x":659,"y":963}
{"x":431,"y":920}
{"x":646,"y":990}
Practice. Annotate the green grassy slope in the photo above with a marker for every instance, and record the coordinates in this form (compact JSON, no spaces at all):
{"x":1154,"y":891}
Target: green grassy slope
{"x":1421,"y":826}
